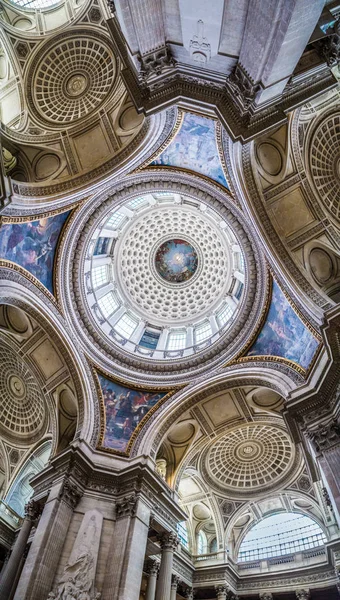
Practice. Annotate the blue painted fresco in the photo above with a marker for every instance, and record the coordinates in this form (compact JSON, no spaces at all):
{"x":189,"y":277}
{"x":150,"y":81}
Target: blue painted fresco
{"x":32,"y":246}
{"x":124,"y":410}
{"x":284,"y":334}
{"x":195,"y":148}
{"x":176,"y":261}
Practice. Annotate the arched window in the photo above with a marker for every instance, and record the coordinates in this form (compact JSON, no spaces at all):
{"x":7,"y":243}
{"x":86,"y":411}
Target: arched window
{"x":280,"y":534}
{"x":183,"y":534}
{"x":213,"y":545}
{"x":201,"y":543}
{"x":21,"y":490}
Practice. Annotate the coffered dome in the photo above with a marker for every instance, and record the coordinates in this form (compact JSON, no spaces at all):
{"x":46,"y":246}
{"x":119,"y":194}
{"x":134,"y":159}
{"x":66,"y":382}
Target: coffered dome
{"x":165,"y":275}
{"x":22,"y":408}
{"x":254,"y":457}
{"x":325,"y":162}
{"x":71,"y":78}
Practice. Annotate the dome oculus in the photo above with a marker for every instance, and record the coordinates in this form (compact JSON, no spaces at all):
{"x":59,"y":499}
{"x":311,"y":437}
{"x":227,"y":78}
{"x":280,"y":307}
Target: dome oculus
{"x":176,"y":261}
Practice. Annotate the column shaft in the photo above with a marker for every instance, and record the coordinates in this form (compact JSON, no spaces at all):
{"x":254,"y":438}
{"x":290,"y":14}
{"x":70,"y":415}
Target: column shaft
{"x":169,"y":543}
{"x":127,"y":552}
{"x":40,"y":567}
{"x":13,"y":564}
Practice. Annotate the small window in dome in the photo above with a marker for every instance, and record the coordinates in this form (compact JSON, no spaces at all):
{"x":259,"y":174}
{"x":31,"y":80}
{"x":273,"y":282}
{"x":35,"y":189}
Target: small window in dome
{"x":136,"y":202}
{"x":280,"y":534}
{"x":238,"y":294}
{"x":149,"y":339}
{"x":99,"y":276}
{"x":101,"y":246}
{"x":224,"y":314}
{"x":126,"y":325}
{"x":203,"y":332}
{"x":108,"y":304}
{"x":115,"y":220}
{"x":177,"y":340}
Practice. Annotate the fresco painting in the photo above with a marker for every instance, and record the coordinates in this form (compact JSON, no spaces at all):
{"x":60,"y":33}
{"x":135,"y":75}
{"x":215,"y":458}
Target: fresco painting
{"x":284,"y":334}
{"x":124,"y":410}
{"x":176,"y":261}
{"x":33,"y":245}
{"x":195,"y":148}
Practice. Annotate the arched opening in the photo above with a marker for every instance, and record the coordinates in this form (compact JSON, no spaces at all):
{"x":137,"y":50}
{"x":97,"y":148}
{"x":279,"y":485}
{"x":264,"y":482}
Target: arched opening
{"x":281,"y":534}
{"x":21,"y":490}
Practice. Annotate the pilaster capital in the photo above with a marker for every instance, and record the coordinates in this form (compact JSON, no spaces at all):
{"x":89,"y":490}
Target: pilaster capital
{"x":189,"y":594}
{"x":221,"y":591}
{"x":169,"y":541}
{"x":32,"y":510}
{"x":266,"y":596}
{"x":326,"y":436}
{"x":152,"y":568}
{"x":126,"y":507}
{"x":174,"y":582}
{"x":302,"y":594}
{"x":70,"y":493}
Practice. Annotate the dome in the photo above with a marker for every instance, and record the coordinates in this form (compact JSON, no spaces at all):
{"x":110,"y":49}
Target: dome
{"x":166,"y":275}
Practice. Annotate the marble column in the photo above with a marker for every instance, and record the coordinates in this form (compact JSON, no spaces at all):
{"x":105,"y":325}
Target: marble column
{"x":127,"y":550}
{"x":169,"y":543}
{"x":40,"y":567}
{"x":221,"y":592}
{"x":174,"y":586}
{"x":10,"y":572}
{"x":153,"y":568}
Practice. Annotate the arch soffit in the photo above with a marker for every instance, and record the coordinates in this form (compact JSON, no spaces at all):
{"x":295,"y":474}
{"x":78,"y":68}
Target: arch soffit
{"x":154,"y":431}
{"x":16,"y":291}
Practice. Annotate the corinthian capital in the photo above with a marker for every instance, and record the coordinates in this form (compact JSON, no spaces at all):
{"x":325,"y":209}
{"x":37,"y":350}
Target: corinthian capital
{"x":326,"y":436}
{"x":32,"y":510}
{"x":169,"y":541}
{"x":303,"y":594}
{"x":126,"y":507}
{"x":266,"y":596}
{"x":71,"y":493}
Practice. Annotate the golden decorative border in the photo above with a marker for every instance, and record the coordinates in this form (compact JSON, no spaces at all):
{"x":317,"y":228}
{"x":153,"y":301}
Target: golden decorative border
{"x":44,"y":215}
{"x":240,"y":358}
{"x":219,"y":145}
{"x":96,"y":371}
